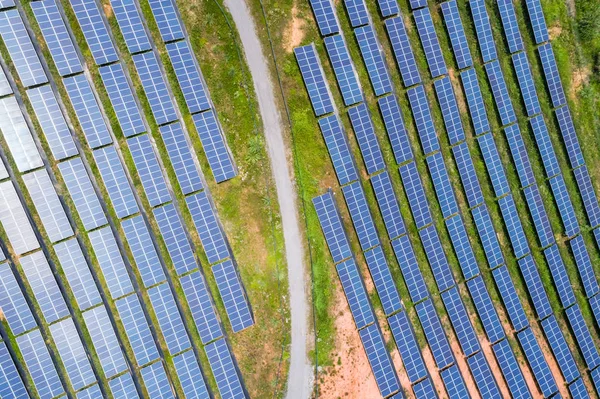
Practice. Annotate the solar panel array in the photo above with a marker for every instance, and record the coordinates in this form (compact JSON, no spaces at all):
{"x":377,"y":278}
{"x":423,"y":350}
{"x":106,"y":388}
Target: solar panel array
{"x":384,"y":283}
{"x":395,"y":128}
{"x":15,"y":222}
{"x":201,"y":306}
{"x":149,"y":170}
{"x":344,"y":70}
{"x":11,"y":384}
{"x":493,"y":163}
{"x":174,"y":236}
{"x":339,"y":149}
{"x":525,"y":80}
{"x":221,"y":363}
{"x":220,"y":159}
{"x":167,"y":20}
{"x":372,"y":55}
{"x":111,"y":262}
{"x":39,"y":364}
{"x":169,"y":318}
{"x":413,"y":187}
{"x":181,"y":158}
{"x":379,"y":359}
{"x":401,"y":47}
{"x":475,"y":101}
{"x":483,"y":29}
{"x":500,"y":93}
{"x":430,"y":42}
{"x":357,"y":12}
{"x":538,"y":22}
{"x":508,"y":17}
{"x":567,"y":130}
{"x":450,"y":111}
{"x":360,"y":215}
{"x":95,"y":31}
{"x":458,"y":39}
{"x":156,"y":381}
{"x":423,"y":119}
{"x":72,"y":353}
{"x":565,"y":206}
{"x":190,"y":376}
{"x":314,"y":79}
{"x":233,"y":296}
{"x":539,"y":367}
{"x":137,"y":329}
{"x":131,"y":25}
{"x":557,"y":93}
{"x":325,"y":16}
{"x":408,"y":347}
{"x":443,"y":190}
{"x":539,"y":216}
{"x":116,"y":181}
{"x":388,"y":205}
{"x":13,"y":303}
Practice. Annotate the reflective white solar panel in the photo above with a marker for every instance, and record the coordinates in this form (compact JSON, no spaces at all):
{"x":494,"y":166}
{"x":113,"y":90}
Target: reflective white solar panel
{"x":538,"y":22}
{"x":539,"y":216}
{"x":537,"y":362}
{"x":165,"y":14}
{"x":584,"y":266}
{"x":92,"y":392}
{"x":13,"y":304}
{"x":462,"y":247}
{"x":224,"y":370}
{"x":374,"y":59}
{"x":383,"y":280}
{"x":511,"y":26}
{"x":207,"y":224}
{"x":325,"y":16}
{"x":458,"y":39}
{"x":583,"y":337}
{"x":123,"y":387}
{"x":500,"y":92}
{"x":441,"y":184}
{"x":460,"y":322}
{"x":403,"y":52}
{"x":366,"y":137}
{"x":468,"y":177}
{"x":395,"y":128}
{"x":423,"y":119}
{"x":14,"y":221}
{"x":485,"y":309}
{"x":379,"y":359}
{"x":6,"y":3}
{"x":106,"y":344}
{"x":39,"y":364}
{"x":356,"y":293}
{"x":343,"y":67}
{"x":176,"y":239}
{"x":5,"y":87}
{"x":190,"y":376}
{"x":560,"y":348}
{"x":519,"y":155}
{"x":339,"y":149}
{"x":116,"y":181}
{"x":149,"y":170}
{"x":21,"y":50}
{"x":360,"y":215}
{"x":434,"y":333}
{"x":525,"y":80}
{"x":483,"y":29}
{"x":57,"y":37}
{"x":332,"y":226}
{"x":78,"y":274}
{"x":430,"y":42}
{"x":233,"y":296}
{"x":11,"y":384}
{"x":388,"y":204}
{"x":144,"y":254}
{"x":510,"y":297}
{"x":535,"y":287}
{"x":511,"y":370}
{"x":131,"y":25}
{"x":405,"y":255}
{"x":215,"y":147}
{"x":544,"y":144}
{"x":493,"y":164}
{"x":560,"y":276}
{"x":475,"y":101}
{"x":156,"y":381}
{"x":408,"y":347}
{"x":111,"y":262}
{"x":72,"y":353}
{"x":557,"y":93}
{"x":569,"y":136}
{"x":201,"y":306}
{"x":450,"y":110}
{"x":17,"y":135}
{"x":437,"y":258}
{"x":137,"y":329}
{"x":95,"y":31}
{"x":122,"y":99}
{"x":314,"y":79}
{"x":588,"y":195}
{"x":169,"y":318}
{"x":180,"y":154}
{"x":487,"y":235}
{"x":565,"y":206}
{"x":413,"y":186}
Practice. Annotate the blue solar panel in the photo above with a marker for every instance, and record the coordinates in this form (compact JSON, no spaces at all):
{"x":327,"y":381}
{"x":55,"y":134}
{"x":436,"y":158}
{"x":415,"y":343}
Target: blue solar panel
{"x":483,"y":29}
{"x":422,"y":115}
{"x":584,"y":265}
{"x":525,"y":79}
{"x":468,"y":177}
{"x":182,"y":160}
{"x":233,"y":296}
{"x":123,"y":387}
{"x":560,"y":348}
{"x":387,"y":8}
{"x":487,"y":235}
{"x":142,"y":247}
{"x":535,"y":287}
{"x":314,"y":79}
{"x":455,"y":385}
{"x":596,"y":378}
{"x":588,"y":195}
{"x":149,"y":170}
{"x":366,"y":137}
{"x":482,"y":374}
{"x":339,"y":149}
{"x":460,"y":322}
{"x":111,"y":262}
{"x":87,"y":111}
{"x":332,"y":226}
{"x":510,"y":370}
{"x":343,"y":67}
{"x":90,"y":392}
{"x":155,"y":87}
{"x":325,"y":16}
{"x":13,"y":304}
{"x":500,"y":92}
{"x":388,"y":205}
{"x":537,"y":362}
{"x":539,"y":216}
{"x":475,"y":101}
{"x":565,"y":206}
{"x":361,"y":216}
{"x":95,"y":31}
{"x":167,"y":19}
{"x":408,"y":347}
{"x":462,"y":247}
{"x":137,"y":329}
{"x":222,"y":365}
{"x":169,"y":318}
{"x":409,"y":267}
{"x":519,"y":155}
{"x":442,"y":185}
{"x":430,"y":43}
{"x":395,"y":128}
{"x":583,"y":337}
{"x":485,"y":309}
{"x":122,"y":99}
{"x":538,"y":22}
{"x":458,"y":39}
{"x":156,"y":381}
{"x":493,"y":164}
{"x":201,"y":306}
{"x":175,"y":237}
{"x":510,"y":297}
{"x":357,"y":12}
{"x":424,"y":390}
{"x":11,"y":384}
{"x":190,"y":376}
{"x":116,"y":181}
{"x":356,"y":294}
{"x":372,"y":55}
{"x":569,"y":136}
{"x":403,"y":52}
{"x":542,"y":138}
{"x":560,"y":276}
{"x":131,"y":25}
{"x":57,"y":37}
{"x":379,"y":359}
{"x":514,"y":227}
{"x":383,"y":280}
{"x":555,"y":88}
{"x":39,"y":364}
{"x":414,"y":4}
{"x":511,"y":26}
{"x":106,"y":344}
{"x":578,"y":390}
{"x":209,"y":229}
{"x":434,"y":333}
{"x":449,"y":108}
{"x":413,"y":186}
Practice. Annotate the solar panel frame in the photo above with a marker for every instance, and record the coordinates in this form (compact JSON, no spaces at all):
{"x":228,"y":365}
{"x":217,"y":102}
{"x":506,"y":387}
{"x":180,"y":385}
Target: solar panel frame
{"x":182,"y":158}
{"x":454,"y":382}
{"x":361,"y":216}
{"x":339,"y":149}
{"x":395,"y":128}
{"x":565,"y":206}
{"x":123,"y":387}
{"x":441,"y":183}
{"x":137,"y":329}
{"x":482,"y":374}
{"x":116,"y":181}
{"x":560,"y":348}
{"x":356,"y":293}
{"x":366,"y":138}
{"x":461,"y":323}
{"x":475,"y":101}
{"x":462,"y":247}
{"x":434,"y":333}
{"x":190,"y":376}
{"x":408,"y":347}
{"x":383,"y":280}
{"x":584,"y":266}
{"x":468,"y":176}
{"x":403,"y":52}
{"x":233,"y":295}
{"x":525,"y":80}
{"x":569,"y":136}
{"x":332,"y":226}
{"x":144,"y":253}
{"x":344,"y":70}
{"x":39,"y":365}
{"x":15,"y":307}
{"x":483,"y":30}
{"x":486,"y":310}
{"x":510,"y":298}
{"x":167,"y":20}
{"x":487,"y":235}
{"x":169,"y":319}
{"x":374,"y":60}
{"x":430,"y":42}
{"x":550,"y":69}
{"x":510,"y":370}
{"x":409,"y":267}
{"x":519,"y":154}
{"x":449,"y":107}
{"x":537,"y":362}
{"x":222,"y":364}
{"x":208,"y":226}
{"x":175,"y":238}
{"x":413,"y":187}
{"x":131,"y":24}
{"x":314,"y":79}
{"x":499,"y":89}
{"x":95,"y":31}
{"x":149,"y":170}
{"x":379,"y":360}
{"x":388,"y":204}
{"x":537,"y":20}
{"x":423,"y":119}
{"x":535,"y":287}
{"x":215,"y":147}
{"x":201,"y":306}
{"x":111,"y":262}
{"x":11,"y":383}
{"x":583,"y":337}
{"x":325,"y":16}
{"x":156,"y":381}
{"x":514,"y":227}
{"x":539,"y":216}
{"x":456,"y":31}
{"x":510,"y":24}
{"x":588,"y":195}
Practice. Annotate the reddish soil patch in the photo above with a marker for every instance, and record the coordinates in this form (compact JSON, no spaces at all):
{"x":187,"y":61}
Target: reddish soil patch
{"x":107,"y":10}
{"x":294,"y":32}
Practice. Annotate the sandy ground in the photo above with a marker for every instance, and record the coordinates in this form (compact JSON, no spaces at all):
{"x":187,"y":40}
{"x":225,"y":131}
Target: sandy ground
{"x":295,"y":31}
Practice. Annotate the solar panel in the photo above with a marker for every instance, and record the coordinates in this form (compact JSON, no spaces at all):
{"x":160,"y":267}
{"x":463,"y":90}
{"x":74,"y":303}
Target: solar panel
{"x":356,"y":293}
{"x":361,"y":216}
{"x":578,"y":390}
{"x":95,"y":31}
{"x":514,"y":227}
{"x":559,"y":275}
{"x":142,"y":247}
{"x":388,"y":8}
{"x":21,"y":50}
{"x":167,"y":19}
{"x":535,"y":287}
{"x":462,"y":247}
{"x":123,"y":387}
{"x":156,"y":381}
{"x":437,"y":258}
{"x":560,"y":348}
{"x":417,"y":3}
{"x":57,"y":37}
{"x":39,"y":364}
{"x":111,"y":262}
{"x":52,"y":121}
{"x":584,"y":265}
{"x":538,"y":23}
{"x":213,"y":141}
{"x":13,"y":304}
{"x":430,"y":43}
{"x":588,"y":195}
{"x":82,"y":193}
{"x":366,"y":137}
{"x":500,"y":92}
{"x":11,"y":384}
{"x":190,"y":376}
{"x":388,"y":205}
{"x":169,"y":318}
{"x":394,"y":126}
{"x":372,"y":55}
{"x":137,"y":329}
{"x":44,"y":286}
{"x":344,"y":70}
{"x":131,"y":24}
{"x":434,"y":333}
{"x":121,"y":97}
{"x":383,"y":280}
{"x":555,"y":88}
{"x":511,"y":370}
{"x":325,"y":17}
{"x":493,"y":164}
{"x":77,"y":271}
{"x":155,"y":87}
{"x":18,"y":137}
{"x":182,"y":160}
{"x":423,"y":119}
{"x":5,"y":87}
{"x":175,"y":237}
{"x":458,"y":39}
{"x":409,"y":267}
{"x":569,"y":136}
{"x":596,"y":378}
{"x":379,"y":359}
{"x":87,"y":111}
{"x":483,"y":29}
{"x":332,"y":226}
{"x":487,"y":235}
{"x":222,"y":365}
{"x":424,"y":389}
{"x":482,"y":374}
{"x":475,"y":102}
{"x":413,"y":186}
{"x":460,"y":321}
{"x":583,"y":337}
{"x":339,"y":149}
{"x":90,"y":392}
{"x":525,"y":80}
{"x":455,"y":385}
{"x":14,"y":221}
{"x":357,"y":12}
{"x":510,"y":25}
{"x":403,"y":52}
{"x":72,"y":353}
{"x":442,"y":185}
{"x":314,"y":79}
{"x":510,"y":297}
{"x":209,"y":229}
{"x":468,"y":177}
{"x":485,"y":309}
{"x":537,"y":362}
{"x":233,"y":295}
{"x":149,"y":170}
{"x":449,"y":108}
{"x":542,"y":138}
{"x":116,"y":181}
{"x":565,"y":206}
{"x":539,"y":216}
{"x":408,"y":347}
{"x":519,"y":155}
{"x":201,"y":306}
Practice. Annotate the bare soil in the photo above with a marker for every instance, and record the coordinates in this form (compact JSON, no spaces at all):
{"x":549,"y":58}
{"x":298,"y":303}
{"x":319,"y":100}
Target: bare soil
{"x":295,"y":31}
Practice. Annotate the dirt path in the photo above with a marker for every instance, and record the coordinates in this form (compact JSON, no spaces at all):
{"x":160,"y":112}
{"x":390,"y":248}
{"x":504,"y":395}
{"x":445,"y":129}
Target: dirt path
{"x":300,"y":377}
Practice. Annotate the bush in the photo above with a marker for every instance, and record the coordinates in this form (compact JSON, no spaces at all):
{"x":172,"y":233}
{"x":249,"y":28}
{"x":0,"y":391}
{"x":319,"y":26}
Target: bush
{"x":588,"y":21}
